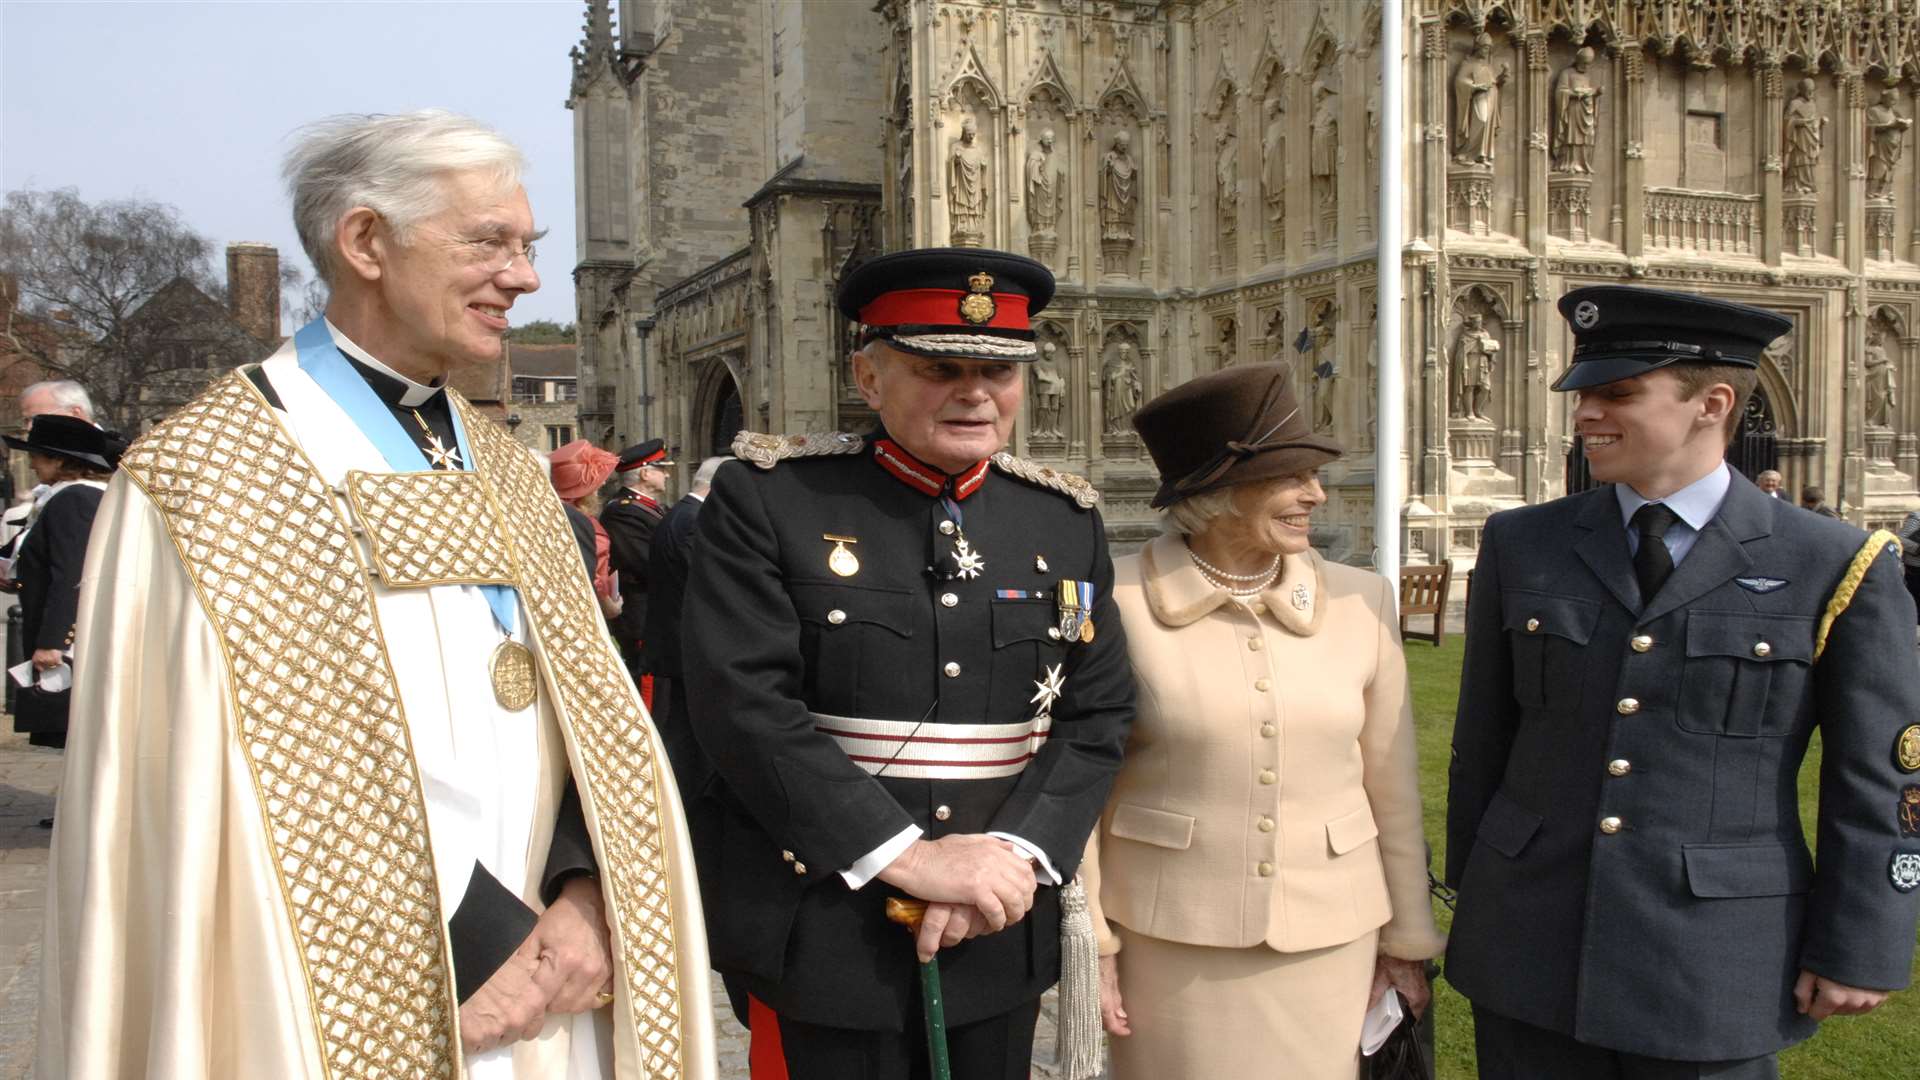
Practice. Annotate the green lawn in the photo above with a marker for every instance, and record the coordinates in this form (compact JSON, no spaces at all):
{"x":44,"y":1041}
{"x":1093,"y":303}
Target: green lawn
{"x":1847,"y":1048}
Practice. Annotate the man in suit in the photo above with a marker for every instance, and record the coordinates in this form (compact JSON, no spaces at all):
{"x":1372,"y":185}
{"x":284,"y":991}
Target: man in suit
{"x":903,"y":662}
{"x":1814,"y":498}
{"x":1645,"y":664}
{"x":630,"y":519}
{"x":672,"y":551}
{"x":1769,"y":482}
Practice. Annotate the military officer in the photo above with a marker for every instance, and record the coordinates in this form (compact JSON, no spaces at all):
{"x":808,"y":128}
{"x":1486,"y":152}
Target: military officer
{"x":630,"y":518}
{"x":1645,"y":664}
{"x":903,"y":661}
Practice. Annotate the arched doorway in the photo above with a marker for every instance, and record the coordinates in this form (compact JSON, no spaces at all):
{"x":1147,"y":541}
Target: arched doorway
{"x":716,"y":414}
{"x":727,"y":420}
{"x":1755,"y":447}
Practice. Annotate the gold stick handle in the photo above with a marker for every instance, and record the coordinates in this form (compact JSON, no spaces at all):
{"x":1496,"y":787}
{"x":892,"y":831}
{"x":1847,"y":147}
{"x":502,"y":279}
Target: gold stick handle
{"x":907,"y":913}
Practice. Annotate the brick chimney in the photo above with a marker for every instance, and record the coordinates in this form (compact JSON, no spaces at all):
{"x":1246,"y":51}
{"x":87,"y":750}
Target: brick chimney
{"x":253,"y":289}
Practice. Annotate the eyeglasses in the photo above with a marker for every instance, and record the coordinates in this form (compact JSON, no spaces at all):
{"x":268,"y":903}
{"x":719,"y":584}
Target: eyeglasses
{"x":497,"y":254}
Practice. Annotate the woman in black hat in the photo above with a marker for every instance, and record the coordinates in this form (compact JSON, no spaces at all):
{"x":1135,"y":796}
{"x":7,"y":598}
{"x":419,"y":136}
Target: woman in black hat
{"x":1260,"y":870}
{"x":73,"y":458}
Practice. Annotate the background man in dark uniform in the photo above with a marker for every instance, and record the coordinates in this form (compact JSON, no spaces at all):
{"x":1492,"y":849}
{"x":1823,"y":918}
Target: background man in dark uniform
{"x":1645,"y":664}
{"x":904,"y":664}
{"x":630,"y":518}
{"x":666,"y":593}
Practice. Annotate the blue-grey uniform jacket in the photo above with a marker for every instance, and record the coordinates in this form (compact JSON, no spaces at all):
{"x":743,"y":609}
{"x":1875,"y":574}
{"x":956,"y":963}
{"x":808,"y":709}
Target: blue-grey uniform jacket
{"x":1623,"y":822}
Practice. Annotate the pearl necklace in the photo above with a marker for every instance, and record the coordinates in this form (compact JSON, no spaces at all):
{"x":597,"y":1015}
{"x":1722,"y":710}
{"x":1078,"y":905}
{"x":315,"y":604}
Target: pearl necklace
{"x":1221,"y":576}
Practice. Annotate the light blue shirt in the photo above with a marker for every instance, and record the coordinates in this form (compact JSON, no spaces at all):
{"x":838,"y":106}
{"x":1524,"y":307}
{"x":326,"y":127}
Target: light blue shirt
{"x":1694,"y":504}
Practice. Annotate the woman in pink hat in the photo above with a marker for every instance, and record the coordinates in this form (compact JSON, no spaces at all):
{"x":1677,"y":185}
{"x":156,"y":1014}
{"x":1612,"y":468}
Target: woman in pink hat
{"x":578,"y":469}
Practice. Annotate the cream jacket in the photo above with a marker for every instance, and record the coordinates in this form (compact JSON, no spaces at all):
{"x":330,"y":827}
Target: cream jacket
{"x":1270,"y":791}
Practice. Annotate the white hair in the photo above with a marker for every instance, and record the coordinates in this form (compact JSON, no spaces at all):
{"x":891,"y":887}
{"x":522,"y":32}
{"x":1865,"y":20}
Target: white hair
{"x":393,"y":165}
{"x":1195,"y":514}
{"x":703,"y":476}
{"x":66,"y":395}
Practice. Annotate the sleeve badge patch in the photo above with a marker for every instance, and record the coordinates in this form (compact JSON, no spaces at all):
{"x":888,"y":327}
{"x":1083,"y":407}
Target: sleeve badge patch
{"x":1906,"y":749}
{"x":1909,"y":813}
{"x":1904,"y":871}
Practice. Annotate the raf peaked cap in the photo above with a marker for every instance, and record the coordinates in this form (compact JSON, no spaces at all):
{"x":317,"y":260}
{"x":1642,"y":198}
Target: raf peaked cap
{"x":1620,"y":331}
{"x":651,"y":452}
{"x":70,"y":437}
{"x":1229,"y":427}
{"x":969,"y":303}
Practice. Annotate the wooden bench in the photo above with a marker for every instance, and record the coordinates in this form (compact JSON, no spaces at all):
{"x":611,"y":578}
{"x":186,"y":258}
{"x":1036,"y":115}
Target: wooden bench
{"x":1423,"y":591}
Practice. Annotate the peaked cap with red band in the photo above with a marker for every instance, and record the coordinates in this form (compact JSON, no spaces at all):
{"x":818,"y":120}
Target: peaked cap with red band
{"x":966,"y":303}
{"x":651,"y":452}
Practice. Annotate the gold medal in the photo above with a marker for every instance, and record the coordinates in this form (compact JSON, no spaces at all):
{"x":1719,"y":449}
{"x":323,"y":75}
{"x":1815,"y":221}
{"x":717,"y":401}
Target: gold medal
{"x":1086,"y":631}
{"x":840,"y":560}
{"x":514,"y":683}
{"x":1906,"y":749}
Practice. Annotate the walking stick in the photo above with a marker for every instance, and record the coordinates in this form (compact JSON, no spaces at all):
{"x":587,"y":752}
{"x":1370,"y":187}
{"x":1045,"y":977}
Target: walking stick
{"x":908,"y":913}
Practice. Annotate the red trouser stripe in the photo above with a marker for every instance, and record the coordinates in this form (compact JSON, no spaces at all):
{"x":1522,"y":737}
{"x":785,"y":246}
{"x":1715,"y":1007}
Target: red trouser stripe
{"x":765,"y":1058}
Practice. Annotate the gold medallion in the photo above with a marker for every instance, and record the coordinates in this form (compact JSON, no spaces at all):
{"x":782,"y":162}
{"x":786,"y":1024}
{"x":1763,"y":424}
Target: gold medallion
{"x":1086,"y":631}
{"x":977,"y":307}
{"x":1906,"y":749}
{"x":514,"y":682}
{"x":840,"y":560}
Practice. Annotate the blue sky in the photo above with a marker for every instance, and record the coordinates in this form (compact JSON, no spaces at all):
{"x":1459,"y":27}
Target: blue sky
{"x":191,"y":103}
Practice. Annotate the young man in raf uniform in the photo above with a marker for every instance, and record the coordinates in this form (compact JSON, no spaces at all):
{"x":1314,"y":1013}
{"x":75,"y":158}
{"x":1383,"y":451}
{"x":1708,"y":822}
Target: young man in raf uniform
{"x":1645,"y":664}
{"x":903,"y":661}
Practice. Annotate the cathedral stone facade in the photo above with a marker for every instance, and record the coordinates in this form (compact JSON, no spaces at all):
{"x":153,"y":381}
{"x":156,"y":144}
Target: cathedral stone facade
{"x":1202,"y":176}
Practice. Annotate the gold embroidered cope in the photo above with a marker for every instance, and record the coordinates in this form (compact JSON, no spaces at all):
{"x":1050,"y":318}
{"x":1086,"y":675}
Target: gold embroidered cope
{"x":430,"y":528}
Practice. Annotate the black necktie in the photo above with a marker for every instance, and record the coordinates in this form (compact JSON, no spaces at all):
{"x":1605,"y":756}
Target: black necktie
{"x":1653,"y":563}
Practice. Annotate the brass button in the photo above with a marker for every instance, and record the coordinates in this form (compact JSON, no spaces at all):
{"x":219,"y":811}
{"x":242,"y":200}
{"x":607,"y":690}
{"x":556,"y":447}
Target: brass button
{"x":947,"y":599}
{"x":836,"y":616}
{"x":952,"y":669}
{"x":1265,"y":824}
{"x":942,"y":812}
{"x":1611,"y":825}
{"x":946,"y":528}
{"x":1628,"y":706}
{"x":1254,"y":644}
{"x":1641,"y":642}
{"x":1263,"y":684}
{"x":800,"y":869}
{"x":1267,"y":776}
{"x":1762,"y":649}
{"x":1619,"y":767}
{"x":1266,"y":869}
{"x":1533,"y":625}
{"x":1268,"y":731}
{"x":787,"y":855}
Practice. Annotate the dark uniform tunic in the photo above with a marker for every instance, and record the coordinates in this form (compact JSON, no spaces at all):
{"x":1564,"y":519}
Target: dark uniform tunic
{"x":48,"y":571}
{"x":771,"y":634}
{"x":1623,"y":823}
{"x":630,"y":519}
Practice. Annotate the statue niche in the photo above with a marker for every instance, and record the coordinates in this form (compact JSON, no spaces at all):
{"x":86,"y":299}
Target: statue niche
{"x":1576,"y":115}
{"x":1323,"y":364}
{"x":1886,"y":139}
{"x":1323,"y":163}
{"x":1476,"y":104}
{"x":1046,"y":192}
{"x":1476,"y":352}
{"x":1805,"y":134}
{"x":967,"y":188}
{"x":1120,"y":386}
{"x":1119,"y":200}
{"x":1273,"y":171}
{"x":1049,"y":393}
{"x":1882,"y":385}
{"x":1226,"y":187}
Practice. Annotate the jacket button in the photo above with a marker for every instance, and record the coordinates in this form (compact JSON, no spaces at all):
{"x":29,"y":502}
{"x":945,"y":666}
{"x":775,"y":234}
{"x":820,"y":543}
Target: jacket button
{"x":1265,"y":824}
{"x":1053,"y":632}
{"x":1266,"y":869}
{"x":948,"y":599}
{"x":1263,"y":684}
{"x":952,"y":669}
{"x":787,"y":855}
{"x":1257,"y":607}
{"x":1267,"y":776}
{"x":1254,"y":644}
{"x":942,"y":812}
{"x":1533,"y":625}
{"x":1628,"y":706}
{"x":1641,"y":642}
{"x":1268,"y":731}
{"x":800,"y":869}
{"x":1762,"y":649}
{"x":1619,"y":767}
{"x":946,"y":528}
{"x":836,"y":616}
{"x":1611,"y":825}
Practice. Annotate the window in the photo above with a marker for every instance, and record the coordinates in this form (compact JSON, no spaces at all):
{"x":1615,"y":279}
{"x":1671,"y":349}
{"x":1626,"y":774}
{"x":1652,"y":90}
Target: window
{"x":559,"y":435}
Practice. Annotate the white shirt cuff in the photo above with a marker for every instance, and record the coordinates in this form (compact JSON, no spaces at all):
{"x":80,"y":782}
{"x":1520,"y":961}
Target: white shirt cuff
{"x":1031,"y":852}
{"x":870,"y":864}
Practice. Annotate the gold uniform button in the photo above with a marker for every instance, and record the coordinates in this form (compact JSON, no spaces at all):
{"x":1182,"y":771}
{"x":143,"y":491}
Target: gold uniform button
{"x":946,"y":528}
{"x":1257,"y":607}
{"x":1641,"y":642}
{"x":1611,"y":825}
{"x":1254,"y":644}
{"x":942,"y":812}
{"x":948,"y":599}
{"x":1762,"y":649}
{"x":1619,"y":767}
{"x":1053,"y":632}
{"x":1628,"y":706}
{"x":836,"y":616}
{"x":1268,"y":731}
{"x":800,"y":869}
{"x":1265,"y":824}
{"x":1533,"y":625}
{"x":787,"y":855}
{"x":952,"y":669}
{"x":1266,"y":869}
{"x":1267,"y":776}
{"x":1263,"y":684}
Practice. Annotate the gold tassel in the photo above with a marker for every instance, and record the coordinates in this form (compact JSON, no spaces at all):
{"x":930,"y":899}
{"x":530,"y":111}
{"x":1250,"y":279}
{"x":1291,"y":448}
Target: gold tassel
{"x":1079,"y":1050}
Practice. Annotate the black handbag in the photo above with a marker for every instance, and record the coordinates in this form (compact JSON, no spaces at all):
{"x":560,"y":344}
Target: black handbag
{"x":39,"y":711}
{"x":1404,"y":1056}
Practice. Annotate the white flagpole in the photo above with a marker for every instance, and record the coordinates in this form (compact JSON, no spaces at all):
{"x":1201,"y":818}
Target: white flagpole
{"x":1389,"y":472}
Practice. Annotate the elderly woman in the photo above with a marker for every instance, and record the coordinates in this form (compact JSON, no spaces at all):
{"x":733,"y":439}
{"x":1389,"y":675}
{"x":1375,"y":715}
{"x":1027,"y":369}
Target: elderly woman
{"x":577,"y":471}
{"x":1258,"y":877}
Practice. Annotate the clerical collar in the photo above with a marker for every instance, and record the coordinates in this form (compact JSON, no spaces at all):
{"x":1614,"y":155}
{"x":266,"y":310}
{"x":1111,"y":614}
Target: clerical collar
{"x":392,"y":387}
{"x":923,"y":477}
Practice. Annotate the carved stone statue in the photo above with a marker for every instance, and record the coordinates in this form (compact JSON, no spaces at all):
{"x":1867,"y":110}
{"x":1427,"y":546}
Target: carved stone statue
{"x":1805,"y":131}
{"x":903,"y":182}
{"x":1046,"y":187}
{"x":1886,"y":138}
{"x":1576,"y":116}
{"x":1118,"y":191}
{"x":1226,"y":182}
{"x":1881,"y":386}
{"x":1273,"y":164}
{"x":1049,"y":392}
{"x":1120,"y":385}
{"x":1326,"y":374}
{"x":1473,"y":359}
{"x":1324,"y":162}
{"x":1476,"y":105}
{"x":967,"y":188}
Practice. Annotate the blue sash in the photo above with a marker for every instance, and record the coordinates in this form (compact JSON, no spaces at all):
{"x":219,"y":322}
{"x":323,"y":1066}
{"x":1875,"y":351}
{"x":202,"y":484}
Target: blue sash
{"x":325,"y":364}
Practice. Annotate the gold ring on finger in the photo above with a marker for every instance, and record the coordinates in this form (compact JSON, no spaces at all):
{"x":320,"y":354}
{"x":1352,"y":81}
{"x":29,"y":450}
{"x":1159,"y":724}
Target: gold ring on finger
{"x":604,"y":998}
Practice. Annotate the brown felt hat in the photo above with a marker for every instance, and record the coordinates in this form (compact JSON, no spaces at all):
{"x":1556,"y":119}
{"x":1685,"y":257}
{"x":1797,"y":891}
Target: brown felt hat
{"x":1227,"y":428}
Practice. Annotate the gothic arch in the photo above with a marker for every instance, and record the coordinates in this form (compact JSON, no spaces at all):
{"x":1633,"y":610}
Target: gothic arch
{"x":1123,"y":95}
{"x":1047,"y":81}
{"x":1486,"y":295}
{"x":969,"y":72}
{"x":721,"y":377}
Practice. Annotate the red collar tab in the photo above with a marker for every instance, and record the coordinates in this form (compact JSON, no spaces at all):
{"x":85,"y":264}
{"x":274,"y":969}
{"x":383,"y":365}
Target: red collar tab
{"x":924,"y":478}
{"x":647,"y":499}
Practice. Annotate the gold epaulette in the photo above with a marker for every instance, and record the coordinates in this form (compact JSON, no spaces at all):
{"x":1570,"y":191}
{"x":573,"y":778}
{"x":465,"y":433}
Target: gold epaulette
{"x":1075,"y":487}
{"x":1850,"y":583}
{"x":766,"y":450}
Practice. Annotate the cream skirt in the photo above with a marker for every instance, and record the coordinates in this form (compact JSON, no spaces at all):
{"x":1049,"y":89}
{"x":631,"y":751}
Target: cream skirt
{"x":1201,"y":1013}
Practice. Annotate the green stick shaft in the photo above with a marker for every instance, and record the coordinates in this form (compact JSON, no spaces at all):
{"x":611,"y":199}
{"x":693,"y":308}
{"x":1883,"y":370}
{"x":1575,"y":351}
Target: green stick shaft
{"x":936,"y":1012}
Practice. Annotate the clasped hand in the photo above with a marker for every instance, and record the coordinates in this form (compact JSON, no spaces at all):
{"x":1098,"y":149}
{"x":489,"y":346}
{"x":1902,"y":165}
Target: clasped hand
{"x":562,"y":967}
{"x":973,"y":883}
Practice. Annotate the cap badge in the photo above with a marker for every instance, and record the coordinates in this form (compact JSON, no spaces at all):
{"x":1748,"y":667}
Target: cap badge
{"x":977,"y":307}
{"x":1585,"y":314}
